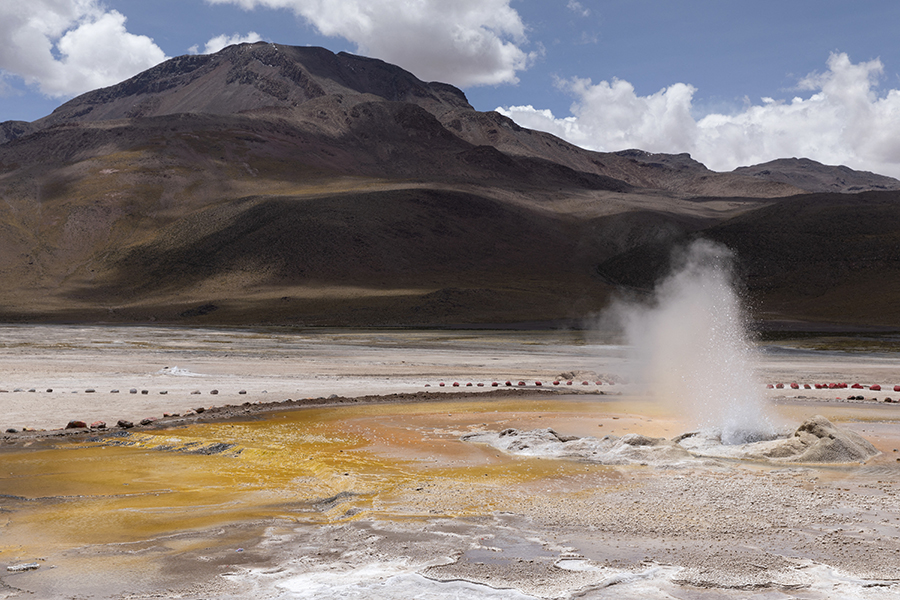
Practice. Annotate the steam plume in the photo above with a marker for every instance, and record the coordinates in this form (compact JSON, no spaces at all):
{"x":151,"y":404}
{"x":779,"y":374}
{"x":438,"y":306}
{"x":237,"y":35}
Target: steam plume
{"x":691,"y":345}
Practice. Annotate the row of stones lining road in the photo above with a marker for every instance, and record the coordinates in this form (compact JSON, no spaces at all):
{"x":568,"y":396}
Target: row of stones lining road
{"x":131,"y":391}
{"x":875,"y":387}
{"x":122,"y":423}
{"x":125,"y":424}
{"x":510,"y":383}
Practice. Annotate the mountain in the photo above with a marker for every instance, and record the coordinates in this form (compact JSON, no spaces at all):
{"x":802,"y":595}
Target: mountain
{"x":813,"y":176}
{"x":278,"y":184}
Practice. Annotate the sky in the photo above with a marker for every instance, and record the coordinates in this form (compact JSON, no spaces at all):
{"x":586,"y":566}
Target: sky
{"x":731,"y":82}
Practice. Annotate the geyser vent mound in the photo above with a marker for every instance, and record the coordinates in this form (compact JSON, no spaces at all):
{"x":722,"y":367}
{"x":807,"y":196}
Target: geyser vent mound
{"x":816,"y":440}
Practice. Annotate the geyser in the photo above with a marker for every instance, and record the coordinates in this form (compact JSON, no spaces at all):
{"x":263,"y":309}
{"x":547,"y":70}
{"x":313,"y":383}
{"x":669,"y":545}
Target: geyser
{"x":691,"y":346}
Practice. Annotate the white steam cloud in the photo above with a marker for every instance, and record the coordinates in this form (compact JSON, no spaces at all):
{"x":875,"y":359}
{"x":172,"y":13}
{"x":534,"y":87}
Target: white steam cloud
{"x":691,"y":346}
{"x":66,"y":47}
{"x":844,"y":120}
{"x":464,"y":42}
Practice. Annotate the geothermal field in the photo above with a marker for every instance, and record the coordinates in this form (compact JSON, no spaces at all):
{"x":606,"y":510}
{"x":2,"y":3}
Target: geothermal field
{"x":661,"y":452}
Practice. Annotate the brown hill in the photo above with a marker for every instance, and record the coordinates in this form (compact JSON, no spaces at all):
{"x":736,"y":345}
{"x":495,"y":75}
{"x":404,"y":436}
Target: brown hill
{"x":813,"y":176}
{"x":271,"y":184}
{"x":826,"y":258}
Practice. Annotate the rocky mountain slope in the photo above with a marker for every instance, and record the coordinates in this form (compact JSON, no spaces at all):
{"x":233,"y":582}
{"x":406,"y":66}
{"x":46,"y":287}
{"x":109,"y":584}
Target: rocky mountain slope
{"x":274,"y":184}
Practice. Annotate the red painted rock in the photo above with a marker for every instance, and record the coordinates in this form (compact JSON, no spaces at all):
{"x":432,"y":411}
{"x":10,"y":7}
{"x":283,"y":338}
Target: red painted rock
{"x":556,"y":382}
{"x":568,"y":383}
{"x":779,"y":386}
{"x":455,"y":384}
{"x":480,"y":385}
{"x":856,"y":386}
{"x":441,"y":384}
{"x":494,"y":384}
{"x":806,"y":386}
{"x":76,"y":425}
{"x":521,"y":384}
{"x":897,"y":388}
{"x":508,"y":383}
{"x":795,"y":386}
{"x":770,"y":386}
{"x":585,"y":383}
{"x":875,"y":388}
{"x":538,"y":383}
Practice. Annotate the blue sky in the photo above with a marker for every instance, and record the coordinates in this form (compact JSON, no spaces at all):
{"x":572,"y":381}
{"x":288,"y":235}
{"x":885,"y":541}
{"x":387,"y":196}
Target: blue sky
{"x":730,"y":82}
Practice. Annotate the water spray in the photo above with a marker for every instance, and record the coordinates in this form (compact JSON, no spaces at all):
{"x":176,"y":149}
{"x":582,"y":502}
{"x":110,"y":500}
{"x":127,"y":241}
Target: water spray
{"x":690,"y":342}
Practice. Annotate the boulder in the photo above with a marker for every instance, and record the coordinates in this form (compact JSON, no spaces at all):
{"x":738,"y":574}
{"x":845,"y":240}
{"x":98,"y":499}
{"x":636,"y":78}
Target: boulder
{"x":76,"y":425}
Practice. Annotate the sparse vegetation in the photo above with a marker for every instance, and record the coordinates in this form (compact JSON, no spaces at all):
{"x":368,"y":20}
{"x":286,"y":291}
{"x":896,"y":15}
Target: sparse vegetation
{"x":365,"y":196}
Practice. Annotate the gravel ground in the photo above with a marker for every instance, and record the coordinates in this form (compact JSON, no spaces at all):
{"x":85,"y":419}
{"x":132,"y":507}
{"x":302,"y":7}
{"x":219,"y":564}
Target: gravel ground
{"x":720,"y":528}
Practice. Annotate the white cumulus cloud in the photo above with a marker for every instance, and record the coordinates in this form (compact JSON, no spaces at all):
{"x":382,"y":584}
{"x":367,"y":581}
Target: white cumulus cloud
{"x":222,"y":41}
{"x":578,"y":8}
{"x":66,"y":47}
{"x":843,"y":119}
{"x":463,"y":42}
